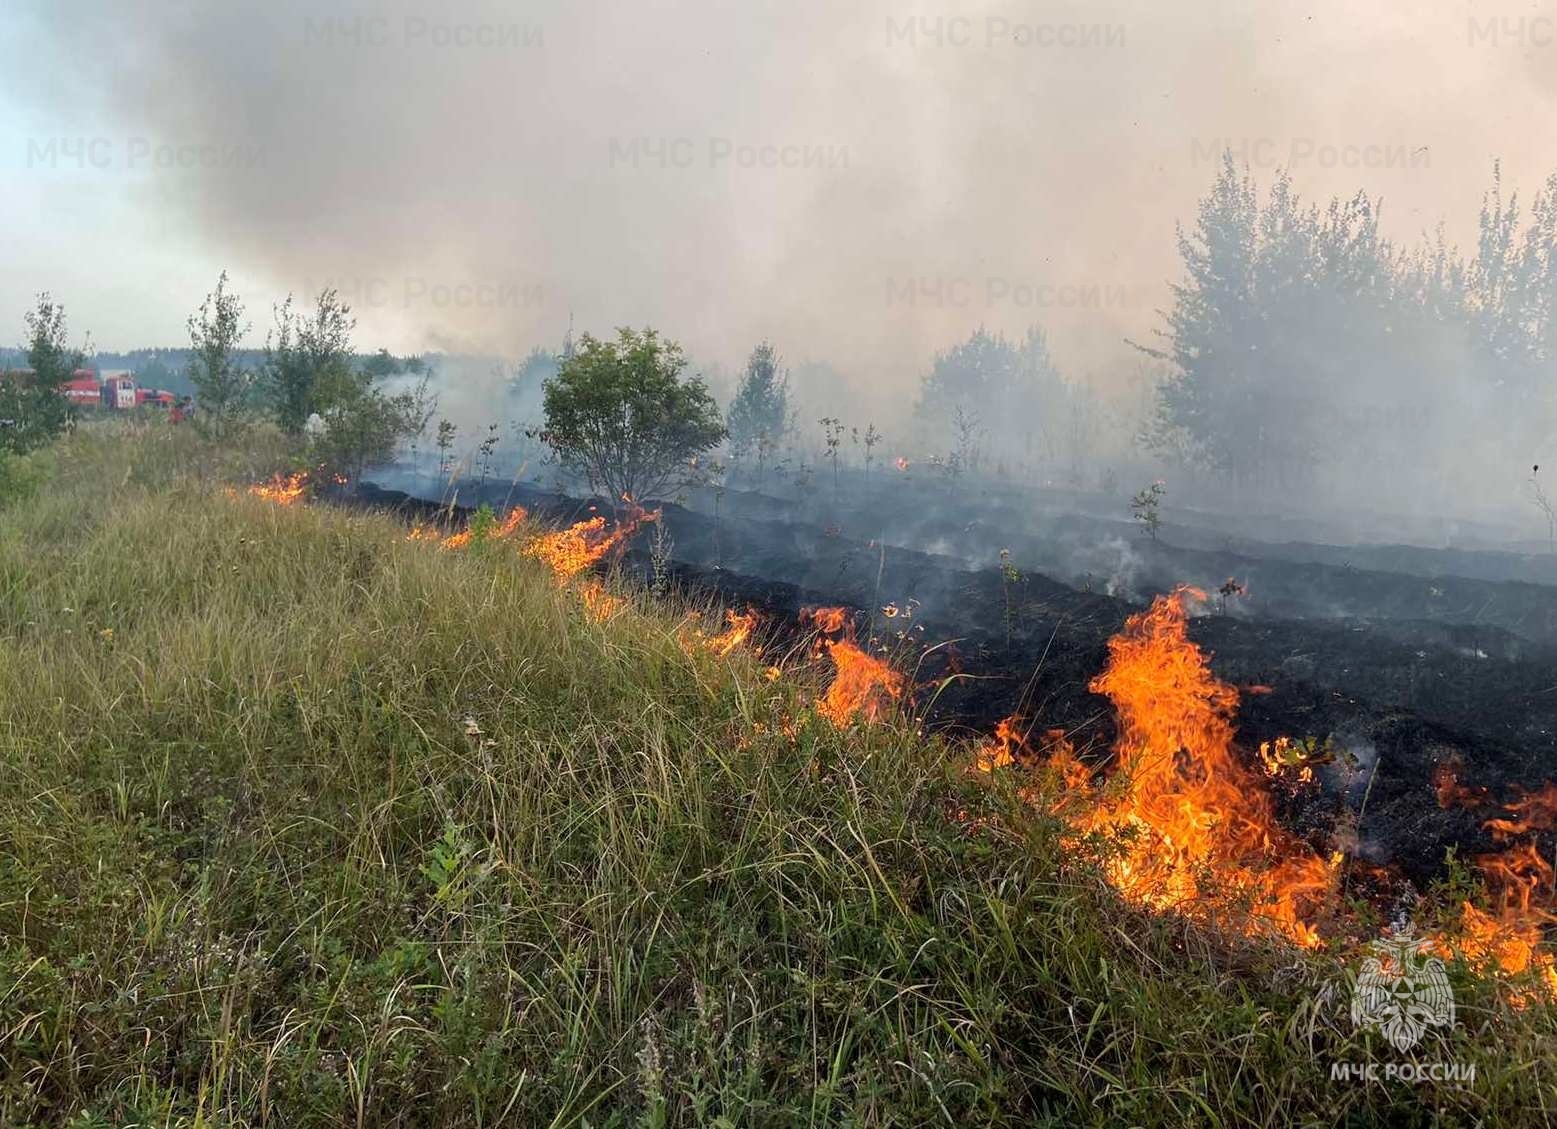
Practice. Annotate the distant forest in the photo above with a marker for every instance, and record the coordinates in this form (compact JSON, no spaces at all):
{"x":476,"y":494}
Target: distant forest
{"x":168,"y":368}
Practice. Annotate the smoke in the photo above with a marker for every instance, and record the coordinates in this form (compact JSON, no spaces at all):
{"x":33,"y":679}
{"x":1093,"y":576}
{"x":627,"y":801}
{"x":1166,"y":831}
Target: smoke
{"x":865,"y":184}
{"x":862,"y":184}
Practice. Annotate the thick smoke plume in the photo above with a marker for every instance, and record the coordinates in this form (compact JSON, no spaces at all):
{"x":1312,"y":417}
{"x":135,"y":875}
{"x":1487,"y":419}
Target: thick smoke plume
{"x":865,"y":185}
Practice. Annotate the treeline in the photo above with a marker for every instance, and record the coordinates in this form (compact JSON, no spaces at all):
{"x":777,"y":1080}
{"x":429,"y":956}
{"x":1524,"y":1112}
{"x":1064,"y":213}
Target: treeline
{"x":307,"y":380}
{"x":1305,"y":347}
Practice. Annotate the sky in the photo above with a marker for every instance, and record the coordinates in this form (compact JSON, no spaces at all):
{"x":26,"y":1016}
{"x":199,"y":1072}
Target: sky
{"x":861,"y":183}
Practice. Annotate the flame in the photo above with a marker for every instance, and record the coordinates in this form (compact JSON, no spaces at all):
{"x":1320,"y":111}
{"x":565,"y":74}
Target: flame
{"x":570,"y":551}
{"x":742,"y":624}
{"x":502,"y":532}
{"x":829,"y":621}
{"x":1192,"y":829}
{"x":862,"y":685}
{"x":1534,"y":811}
{"x":282,"y":490}
{"x":600,"y":604}
{"x":1284,"y":756}
{"x":902,"y":463}
{"x":1523,"y":889}
{"x":998,"y":752}
{"x":1202,"y":835}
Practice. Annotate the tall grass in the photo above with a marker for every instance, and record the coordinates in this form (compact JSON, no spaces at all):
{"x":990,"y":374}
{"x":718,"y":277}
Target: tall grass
{"x":302,"y":823}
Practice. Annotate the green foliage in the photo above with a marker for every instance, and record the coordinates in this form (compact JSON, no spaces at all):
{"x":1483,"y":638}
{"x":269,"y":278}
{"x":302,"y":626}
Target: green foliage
{"x":759,"y":417}
{"x":33,"y":411}
{"x":619,"y":413}
{"x":362,"y":425}
{"x":483,"y":523}
{"x":308,"y":361}
{"x":221,"y":383}
{"x":22,"y":475}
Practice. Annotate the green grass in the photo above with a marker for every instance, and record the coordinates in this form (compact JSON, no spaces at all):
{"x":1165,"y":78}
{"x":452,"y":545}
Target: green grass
{"x":305,"y":824}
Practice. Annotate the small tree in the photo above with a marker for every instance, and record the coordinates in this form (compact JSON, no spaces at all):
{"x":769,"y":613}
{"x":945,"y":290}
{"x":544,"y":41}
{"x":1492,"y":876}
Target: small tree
{"x":619,"y":413}
{"x":488,"y":449}
{"x":363,"y":426}
{"x":759,"y":415}
{"x":308,"y":361}
{"x":446,"y":433}
{"x":221,"y":383}
{"x":32,"y":408}
{"x":1146,"y":507}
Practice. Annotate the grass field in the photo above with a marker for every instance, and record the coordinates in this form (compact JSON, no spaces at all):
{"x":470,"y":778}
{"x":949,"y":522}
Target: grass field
{"x":302,"y":823}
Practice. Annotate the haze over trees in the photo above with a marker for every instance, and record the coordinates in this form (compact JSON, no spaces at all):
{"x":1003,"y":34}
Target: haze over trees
{"x":620,"y":414}
{"x":759,"y":417}
{"x":1304,"y":346}
{"x":989,"y":392}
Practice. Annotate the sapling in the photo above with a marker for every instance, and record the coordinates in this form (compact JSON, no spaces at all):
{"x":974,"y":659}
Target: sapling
{"x":832,"y":429}
{"x":1146,"y":507}
{"x":872,"y":437}
{"x":446,"y":432}
{"x":1009,"y":576}
{"x":488,"y":445}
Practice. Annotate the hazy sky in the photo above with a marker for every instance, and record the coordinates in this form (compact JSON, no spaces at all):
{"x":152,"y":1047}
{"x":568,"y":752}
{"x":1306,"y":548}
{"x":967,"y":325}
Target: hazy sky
{"x":861,"y":182}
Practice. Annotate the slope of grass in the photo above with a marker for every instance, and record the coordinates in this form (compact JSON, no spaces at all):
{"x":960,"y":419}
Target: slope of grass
{"x":301,"y":823}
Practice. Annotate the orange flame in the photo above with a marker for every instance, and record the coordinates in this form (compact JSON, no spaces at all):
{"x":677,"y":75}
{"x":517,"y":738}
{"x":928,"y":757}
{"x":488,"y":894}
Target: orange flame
{"x":829,"y":621}
{"x":1202,"y":833}
{"x":998,"y":752}
{"x":567,"y":552}
{"x":862,"y":685}
{"x":1534,"y":811}
{"x":902,"y":463}
{"x":284,"y":491}
{"x":1520,"y":880}
{"x":742,"y":624}
{"x":600,"y":604}
{"x":502,"y":532}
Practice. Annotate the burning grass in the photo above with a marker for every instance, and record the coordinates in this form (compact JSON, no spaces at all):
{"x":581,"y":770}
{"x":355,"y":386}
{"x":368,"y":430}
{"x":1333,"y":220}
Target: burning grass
{"x":302,"y":823}
{"x":1196,"y":830}
{"x":1187,"y":828}
{"x":863,"y":686}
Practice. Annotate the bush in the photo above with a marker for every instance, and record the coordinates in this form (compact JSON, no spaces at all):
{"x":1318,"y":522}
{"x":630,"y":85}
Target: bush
{"x":619,"y":413}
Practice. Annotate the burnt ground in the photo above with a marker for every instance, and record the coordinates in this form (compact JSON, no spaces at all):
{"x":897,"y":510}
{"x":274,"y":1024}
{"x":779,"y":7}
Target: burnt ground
{"x":1397,"y":695}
